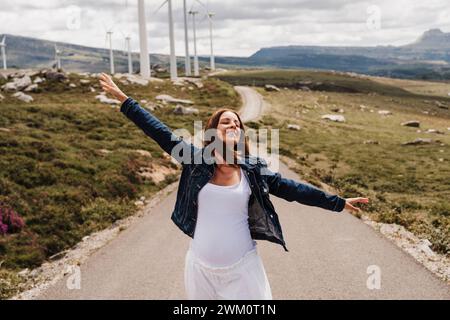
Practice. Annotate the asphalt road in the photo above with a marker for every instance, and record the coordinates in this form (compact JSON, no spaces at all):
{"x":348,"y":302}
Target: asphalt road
{"x":331,"y":256}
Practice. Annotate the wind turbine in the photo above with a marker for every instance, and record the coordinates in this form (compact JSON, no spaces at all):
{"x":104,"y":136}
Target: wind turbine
{"x":212,"y":60}
{"x":130,"y":62}
{"x":3,"y":46}
{"x":57,"y":58}
{"x":187,"y":61}
{"x":173,"y":58}
{"x":111,"y":54}
{"x":196,"y":72}
{"x":144,"y":56}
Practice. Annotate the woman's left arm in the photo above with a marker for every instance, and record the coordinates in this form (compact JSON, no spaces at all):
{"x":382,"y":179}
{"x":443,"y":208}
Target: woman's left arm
{"x":307,"y":194}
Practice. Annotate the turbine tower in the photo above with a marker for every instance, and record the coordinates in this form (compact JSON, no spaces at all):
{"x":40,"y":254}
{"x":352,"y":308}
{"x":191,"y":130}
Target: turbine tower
{"x":57,"y":58}
{"x":173,"y":58}
{"x":144,"y":55}
{"x":187,"y":61}
{"x":212,"y":60}
{"x":111,"y":54}
{"x":130,"y":62}
{"x":3,"y":47}
{"x":196,"y":71}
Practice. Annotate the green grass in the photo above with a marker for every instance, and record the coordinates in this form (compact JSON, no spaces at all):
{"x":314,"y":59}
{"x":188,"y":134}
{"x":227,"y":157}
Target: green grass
{"x":407,"y":185}
{"x":324,"y":80}
{"x":53,"y":174}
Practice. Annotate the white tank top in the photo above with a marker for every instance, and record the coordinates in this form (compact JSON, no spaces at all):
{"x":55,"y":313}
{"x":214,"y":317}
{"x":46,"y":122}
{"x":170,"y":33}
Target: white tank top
{"x":222,"y":234}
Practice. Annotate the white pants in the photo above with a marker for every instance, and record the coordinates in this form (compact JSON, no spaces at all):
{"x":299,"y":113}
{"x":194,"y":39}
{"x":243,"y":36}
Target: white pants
{"x":244,"y":280}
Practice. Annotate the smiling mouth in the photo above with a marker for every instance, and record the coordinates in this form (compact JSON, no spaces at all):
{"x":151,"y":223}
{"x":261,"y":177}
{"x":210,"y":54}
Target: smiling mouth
{"x":231,"y":133}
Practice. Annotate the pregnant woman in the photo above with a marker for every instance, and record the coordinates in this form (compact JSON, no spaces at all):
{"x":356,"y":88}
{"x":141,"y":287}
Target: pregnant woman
{"x":223,"y":203}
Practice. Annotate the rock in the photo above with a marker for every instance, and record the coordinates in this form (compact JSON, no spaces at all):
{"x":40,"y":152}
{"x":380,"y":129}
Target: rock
{"x":91,"y":89}
{"x":305,"y":83}
{"x":270,"y":87}
{"x":32,"y":88}
{"x":105,"y":151}
{"x":23,"y":97}
{"x":144,"y":153}
{"x":362,"y":107}
{"x":1,"y":97}
{"x":151,"y":106}
{"x":155,"y":173}
{"x":434,"y":131}
{"x":178,"y":82}
{"x":85,"y":81}
{"x":179,"y":109}
{"x":135,"y":79}
{"x":17,"y":84}
{"x":38,"y":80}
{"x":305,"y":88}
{"x":142,"y":198}
{"x":337,"y":110}
{"x":385,"y":112}
{"x":418,"y":141}
{"x":5,"y":129}
{"x":159,"y":69}
{"x":334,"y":117}
{"x":24,"y":272}
{"x":293,"y":126}
{"x":441,"y":105}
{"x":72,"y":85}
{"x":412,"y":123}
{"x":371,"y":142}
{"x":139,"y":203}
{"x":170,"y":99}
{"x":56,"y":76}
{"x":104,"y":99}
{"x":197,"y":82}
{"x":143,"y":101}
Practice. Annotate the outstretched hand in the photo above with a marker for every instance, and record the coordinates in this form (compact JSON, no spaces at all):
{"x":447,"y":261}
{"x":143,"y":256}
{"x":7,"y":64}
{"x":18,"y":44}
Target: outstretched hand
{"x":110,"y":87}
{"x":349,"y":204}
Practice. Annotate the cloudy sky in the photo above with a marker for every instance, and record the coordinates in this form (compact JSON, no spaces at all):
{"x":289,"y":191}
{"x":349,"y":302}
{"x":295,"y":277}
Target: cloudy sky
{"x":241,"y":27}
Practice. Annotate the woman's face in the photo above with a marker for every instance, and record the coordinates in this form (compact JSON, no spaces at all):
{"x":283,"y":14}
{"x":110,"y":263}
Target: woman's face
{"x":229,"y":128}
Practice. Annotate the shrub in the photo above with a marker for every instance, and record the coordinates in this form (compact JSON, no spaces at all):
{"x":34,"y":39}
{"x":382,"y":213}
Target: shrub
{"x":10,"y":221}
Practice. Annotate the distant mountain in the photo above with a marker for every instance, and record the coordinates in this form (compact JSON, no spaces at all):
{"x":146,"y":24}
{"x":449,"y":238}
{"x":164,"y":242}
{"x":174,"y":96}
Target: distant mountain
{"x":428,"y":57}
{"x":433,"y":39}
{"x":26,"y":52}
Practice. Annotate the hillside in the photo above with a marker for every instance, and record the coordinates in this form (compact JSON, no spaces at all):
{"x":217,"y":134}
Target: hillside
{"x":426,"y":58}
{"x":71,"y":165}
{"x":390,"y":141}
{"x":26,"y":52}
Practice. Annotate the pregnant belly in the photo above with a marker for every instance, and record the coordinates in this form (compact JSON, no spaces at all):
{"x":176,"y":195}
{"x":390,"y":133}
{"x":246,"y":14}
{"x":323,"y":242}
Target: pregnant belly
{"x":222,"y":246}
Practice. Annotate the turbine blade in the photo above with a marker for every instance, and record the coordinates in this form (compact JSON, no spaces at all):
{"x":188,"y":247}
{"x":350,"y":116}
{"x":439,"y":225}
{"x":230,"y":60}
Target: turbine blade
{"x":202,"y":4}
{"x":159,"y":8}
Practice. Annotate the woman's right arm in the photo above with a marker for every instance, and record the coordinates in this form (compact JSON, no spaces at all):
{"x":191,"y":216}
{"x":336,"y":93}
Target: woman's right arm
{"x":148,"y":123}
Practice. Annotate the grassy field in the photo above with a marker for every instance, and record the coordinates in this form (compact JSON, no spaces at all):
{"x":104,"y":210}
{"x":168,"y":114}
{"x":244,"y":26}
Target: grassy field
{"x":364,"y":156}
{"x":69,"y":166}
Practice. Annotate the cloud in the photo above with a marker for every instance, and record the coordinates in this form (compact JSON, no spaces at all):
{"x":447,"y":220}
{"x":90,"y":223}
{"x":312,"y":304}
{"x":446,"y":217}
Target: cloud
{"x":240,"y":27}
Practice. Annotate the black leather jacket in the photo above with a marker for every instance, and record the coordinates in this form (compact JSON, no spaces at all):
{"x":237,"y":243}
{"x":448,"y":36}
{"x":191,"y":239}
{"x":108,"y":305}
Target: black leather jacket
{"x":262,"y":218}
